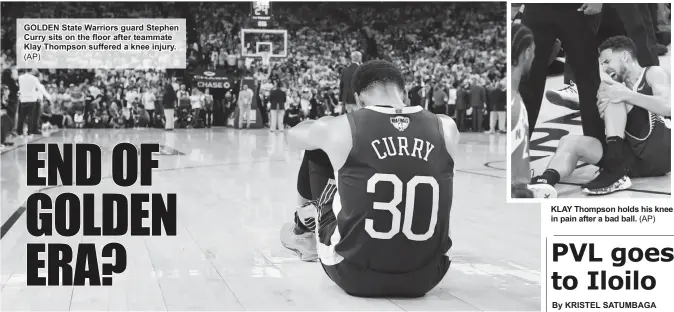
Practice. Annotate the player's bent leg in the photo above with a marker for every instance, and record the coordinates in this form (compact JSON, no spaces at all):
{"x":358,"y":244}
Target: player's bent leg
{"x":617,"y":158}
{"x":304,"y":181}
{"x":313,"y":182}
{"x":296,"y":236}
{"x":571,"y":149}
{"x":304,"y":244}
{"x":304,"y":193}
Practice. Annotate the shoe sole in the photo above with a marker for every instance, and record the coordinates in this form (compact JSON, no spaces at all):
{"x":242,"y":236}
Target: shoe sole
{"x":309,"y":257}
{"x":611,"y":189}
{"x":556,"y":99}
{"x":303,"y":257}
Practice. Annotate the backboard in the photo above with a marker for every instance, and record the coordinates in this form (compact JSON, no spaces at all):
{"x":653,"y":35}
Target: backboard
{"x":256,"y":41}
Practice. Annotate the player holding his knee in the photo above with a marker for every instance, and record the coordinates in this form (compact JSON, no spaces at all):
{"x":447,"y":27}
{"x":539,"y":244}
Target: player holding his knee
{"x":386,"y":232}
{"x":522,"y":45}
{"x":638,"y":142}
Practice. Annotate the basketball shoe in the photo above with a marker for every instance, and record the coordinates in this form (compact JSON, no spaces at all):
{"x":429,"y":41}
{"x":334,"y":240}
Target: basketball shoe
{"x":300,"y":236}
{"x":566,"y":97}
{"x":541,"y":189}
{"x":613,"y":175}
{"x":607,"y":182}
{"x":543,"y":186}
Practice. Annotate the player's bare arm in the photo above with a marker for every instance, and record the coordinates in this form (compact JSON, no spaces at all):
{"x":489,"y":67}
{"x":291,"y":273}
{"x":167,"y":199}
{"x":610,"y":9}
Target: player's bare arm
{"x":331,"y":134}
{"x":307,"y":135}
{"x":658,"y":103}
{"x":452,"y":134}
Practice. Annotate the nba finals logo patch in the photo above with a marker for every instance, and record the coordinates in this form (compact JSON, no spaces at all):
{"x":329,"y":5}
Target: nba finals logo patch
{"x":400,"y":122}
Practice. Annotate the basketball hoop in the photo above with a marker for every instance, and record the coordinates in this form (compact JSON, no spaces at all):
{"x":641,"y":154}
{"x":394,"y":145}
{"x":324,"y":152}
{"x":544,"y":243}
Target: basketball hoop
{"x":266,"y":58}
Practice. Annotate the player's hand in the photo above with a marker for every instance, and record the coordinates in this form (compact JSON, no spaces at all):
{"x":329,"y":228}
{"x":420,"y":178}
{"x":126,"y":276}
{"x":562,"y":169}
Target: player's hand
{"x":590,"y":8}
{"x":601,"y":105}
{"x":612,"y":91}
{"x":605,"y":77}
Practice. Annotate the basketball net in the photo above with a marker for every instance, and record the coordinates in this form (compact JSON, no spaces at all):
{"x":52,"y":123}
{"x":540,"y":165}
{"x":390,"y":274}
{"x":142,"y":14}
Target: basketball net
{"x":266,"y":58}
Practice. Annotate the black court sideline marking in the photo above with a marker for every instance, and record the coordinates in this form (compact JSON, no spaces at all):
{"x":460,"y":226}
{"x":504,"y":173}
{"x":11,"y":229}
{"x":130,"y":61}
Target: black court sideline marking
{"x":18,"y":212}
{"x":25,"y":143}
{"x":12,"y":219}
{"x":490,"y":165}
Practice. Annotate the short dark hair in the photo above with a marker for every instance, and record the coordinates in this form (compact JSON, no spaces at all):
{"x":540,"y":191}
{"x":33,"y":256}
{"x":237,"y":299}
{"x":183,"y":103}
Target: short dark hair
{"x":375,"y":73}
{"x":521,"y":39}
{"x":619,"y":43}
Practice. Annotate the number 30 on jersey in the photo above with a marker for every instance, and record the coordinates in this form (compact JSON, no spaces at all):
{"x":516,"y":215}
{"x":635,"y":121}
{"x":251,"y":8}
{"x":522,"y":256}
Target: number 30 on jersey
{"x":398,"y":189}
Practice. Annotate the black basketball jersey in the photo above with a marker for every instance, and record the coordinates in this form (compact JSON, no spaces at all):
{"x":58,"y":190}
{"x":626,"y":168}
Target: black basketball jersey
{"x":394,"y":192}
{"x":645,"y":129}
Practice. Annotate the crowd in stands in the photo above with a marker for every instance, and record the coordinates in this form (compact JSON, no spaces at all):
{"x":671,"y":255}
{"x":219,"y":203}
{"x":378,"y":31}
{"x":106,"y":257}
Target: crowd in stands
{"x":442,"y":48}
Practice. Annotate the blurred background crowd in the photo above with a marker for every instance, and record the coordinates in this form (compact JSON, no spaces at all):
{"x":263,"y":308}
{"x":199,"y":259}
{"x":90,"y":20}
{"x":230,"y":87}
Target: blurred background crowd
{"x":452,"y":55}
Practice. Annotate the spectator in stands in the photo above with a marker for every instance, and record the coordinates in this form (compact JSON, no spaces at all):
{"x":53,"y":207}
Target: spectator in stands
{"x":245,"y":102}
{"x":127,"y":117}
{"x":10,"y":103}
{"x":439,"y":100}
{"x":414,"y":94}
{"x":184,"y":103}
{"x":451,"y":100}
{"x":277,"y":102}
{"x":293,"y":115}
{"x":5,"y":121}
{"x":208,"y":107}
{"x":228,"y":105}
{"x":345,"y":90}
{"x":142,"y":117}
{"x":196,"y":101}
{"x":31,"y":91}
{"x":158,"y":118}
{"x":462,"y":105}
{"x":132,"y":95}
{"x":478,"y":102}
{"x":170,"y":102}
{"x":316,"y":111}
{"x":148,"y":100}
{"x":497,"y":98}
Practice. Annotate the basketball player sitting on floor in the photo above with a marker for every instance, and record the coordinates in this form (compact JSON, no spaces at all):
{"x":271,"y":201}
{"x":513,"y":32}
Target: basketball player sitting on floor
{"x":638,"y":142}
{"x":386,"y":232}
